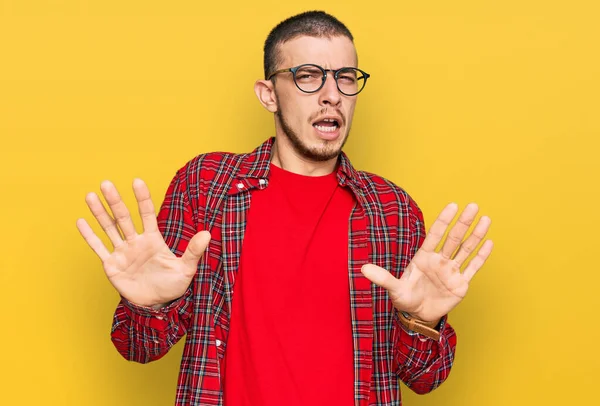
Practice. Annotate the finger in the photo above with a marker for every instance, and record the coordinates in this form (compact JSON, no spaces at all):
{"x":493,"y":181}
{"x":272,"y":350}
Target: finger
{"x":458,"y":231}
{"x":145,"y":205}
{"x":438,"y":228}
{"x":92,"y":239}
{"x":195,"y":249}
{"x":119,"y":210}
{"x":379,"y":276}
{"x":476,"y":263}
{"x":473,"y":240}
{"x":104,"y":219}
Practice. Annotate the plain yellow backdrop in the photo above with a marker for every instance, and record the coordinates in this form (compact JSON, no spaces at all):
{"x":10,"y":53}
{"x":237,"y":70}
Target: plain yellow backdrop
{"x":488,"y":101}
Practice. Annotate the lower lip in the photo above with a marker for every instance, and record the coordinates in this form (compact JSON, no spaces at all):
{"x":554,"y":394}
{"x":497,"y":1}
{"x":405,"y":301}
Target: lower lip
{"x":330,"y":135}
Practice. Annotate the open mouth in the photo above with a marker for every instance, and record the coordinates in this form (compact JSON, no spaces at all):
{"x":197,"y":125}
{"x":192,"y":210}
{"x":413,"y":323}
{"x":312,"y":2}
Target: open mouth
{"x":327,"y":125}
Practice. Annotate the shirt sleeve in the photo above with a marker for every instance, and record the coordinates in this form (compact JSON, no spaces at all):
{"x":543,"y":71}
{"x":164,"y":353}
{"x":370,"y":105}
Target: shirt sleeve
{"x":422,"y":363}
{"x":143,"y":334}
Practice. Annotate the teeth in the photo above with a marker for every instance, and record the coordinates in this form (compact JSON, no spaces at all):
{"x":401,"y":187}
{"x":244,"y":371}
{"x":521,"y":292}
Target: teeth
{"x":326,"y":129}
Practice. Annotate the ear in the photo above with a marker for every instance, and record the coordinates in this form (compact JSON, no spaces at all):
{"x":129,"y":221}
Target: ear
{"x":265,"y":91}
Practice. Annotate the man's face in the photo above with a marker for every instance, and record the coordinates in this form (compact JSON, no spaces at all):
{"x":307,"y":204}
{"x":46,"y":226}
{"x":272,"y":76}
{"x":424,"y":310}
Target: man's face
{"x":316,"y":124}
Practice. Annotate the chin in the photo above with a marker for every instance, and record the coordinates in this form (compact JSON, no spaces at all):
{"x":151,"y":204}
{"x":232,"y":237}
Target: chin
{"x":315,"y":146}
{"x":319,"y":149}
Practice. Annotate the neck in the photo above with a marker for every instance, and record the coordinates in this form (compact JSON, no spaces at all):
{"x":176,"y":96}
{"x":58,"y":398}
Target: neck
{"x":285,"y":157}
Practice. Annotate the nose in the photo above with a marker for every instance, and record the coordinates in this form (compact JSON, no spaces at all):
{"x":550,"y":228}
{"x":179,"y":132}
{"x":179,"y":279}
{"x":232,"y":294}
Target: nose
{"x":329,"y":93}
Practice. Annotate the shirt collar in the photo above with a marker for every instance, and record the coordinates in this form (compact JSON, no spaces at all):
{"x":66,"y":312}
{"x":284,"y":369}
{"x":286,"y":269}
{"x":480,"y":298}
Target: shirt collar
{"x":255,"y":165}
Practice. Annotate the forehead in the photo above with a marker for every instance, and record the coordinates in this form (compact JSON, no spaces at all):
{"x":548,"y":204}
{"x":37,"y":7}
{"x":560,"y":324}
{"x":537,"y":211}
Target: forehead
{"x":330,"y":53}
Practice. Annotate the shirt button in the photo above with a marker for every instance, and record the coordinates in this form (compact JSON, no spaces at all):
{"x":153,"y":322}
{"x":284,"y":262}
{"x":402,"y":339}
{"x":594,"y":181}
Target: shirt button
{"x":160,"y":317}
{"x":219,"y":342}
{"x":240,"y":185}
{"x":262,"y":181}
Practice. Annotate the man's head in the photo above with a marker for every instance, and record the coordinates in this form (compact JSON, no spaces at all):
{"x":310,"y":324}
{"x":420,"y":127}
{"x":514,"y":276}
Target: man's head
{"x":314,"y":124}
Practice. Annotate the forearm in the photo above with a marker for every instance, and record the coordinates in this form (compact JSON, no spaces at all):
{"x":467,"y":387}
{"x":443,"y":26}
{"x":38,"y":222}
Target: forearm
{"x":423,"y":363}
{"x":143,"y":334}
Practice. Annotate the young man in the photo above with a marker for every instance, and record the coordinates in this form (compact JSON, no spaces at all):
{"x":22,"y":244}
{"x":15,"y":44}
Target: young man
{"x":338,"y":294}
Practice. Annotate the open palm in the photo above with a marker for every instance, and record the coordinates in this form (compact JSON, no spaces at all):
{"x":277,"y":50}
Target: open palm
{"x":142,"y":268}
{"x":433,"y":284}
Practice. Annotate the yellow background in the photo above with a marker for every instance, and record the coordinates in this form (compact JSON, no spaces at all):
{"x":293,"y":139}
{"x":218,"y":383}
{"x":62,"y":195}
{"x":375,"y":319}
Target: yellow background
{"x":489,"y":101}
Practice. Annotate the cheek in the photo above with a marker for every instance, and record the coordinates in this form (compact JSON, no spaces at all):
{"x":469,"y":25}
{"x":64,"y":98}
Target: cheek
{"x":350,"y":114}
{"x":296,"y":112}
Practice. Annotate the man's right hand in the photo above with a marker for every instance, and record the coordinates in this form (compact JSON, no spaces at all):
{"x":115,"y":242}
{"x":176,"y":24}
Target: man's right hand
{"x":142,"y":267}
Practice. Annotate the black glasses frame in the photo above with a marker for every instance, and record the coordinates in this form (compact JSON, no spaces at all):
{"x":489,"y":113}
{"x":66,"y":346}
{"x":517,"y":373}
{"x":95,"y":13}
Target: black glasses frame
{"x":335,"y":72}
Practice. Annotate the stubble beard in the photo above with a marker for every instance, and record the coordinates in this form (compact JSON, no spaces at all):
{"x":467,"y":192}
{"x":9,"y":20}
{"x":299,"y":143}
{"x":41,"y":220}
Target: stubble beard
{"x":317,"y":154}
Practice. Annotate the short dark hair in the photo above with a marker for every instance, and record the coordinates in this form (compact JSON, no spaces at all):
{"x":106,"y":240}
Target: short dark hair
{"x":310,"y":23}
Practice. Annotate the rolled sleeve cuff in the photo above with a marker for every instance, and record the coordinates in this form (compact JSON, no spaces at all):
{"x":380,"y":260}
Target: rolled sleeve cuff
{"x":153,"y":318}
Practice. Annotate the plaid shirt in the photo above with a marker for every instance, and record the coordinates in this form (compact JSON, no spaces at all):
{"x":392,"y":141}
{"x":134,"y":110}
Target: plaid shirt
{"x":213,"y":192}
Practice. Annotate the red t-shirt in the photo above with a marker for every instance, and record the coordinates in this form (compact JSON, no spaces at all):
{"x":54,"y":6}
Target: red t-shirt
{"x":290,"y":338}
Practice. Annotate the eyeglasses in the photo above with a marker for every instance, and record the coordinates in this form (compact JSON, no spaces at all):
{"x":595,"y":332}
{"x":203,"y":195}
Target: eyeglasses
{"x":310,"y":78}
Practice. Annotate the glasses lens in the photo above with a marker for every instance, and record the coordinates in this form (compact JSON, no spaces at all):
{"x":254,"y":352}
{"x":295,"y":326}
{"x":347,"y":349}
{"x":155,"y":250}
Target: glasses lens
{"x":350,"y":81}
{"x":309,"y":78}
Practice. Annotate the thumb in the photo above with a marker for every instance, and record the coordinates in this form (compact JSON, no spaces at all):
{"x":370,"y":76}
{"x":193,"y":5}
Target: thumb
{"x":379,"y":276}
{"x":195,"y":249}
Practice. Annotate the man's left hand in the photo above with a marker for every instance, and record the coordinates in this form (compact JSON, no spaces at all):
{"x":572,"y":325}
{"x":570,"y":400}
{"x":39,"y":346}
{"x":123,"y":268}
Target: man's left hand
{"x":433,"y":284}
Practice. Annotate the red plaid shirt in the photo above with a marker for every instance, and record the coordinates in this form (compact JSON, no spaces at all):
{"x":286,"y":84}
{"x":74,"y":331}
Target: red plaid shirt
{"x":213,"y":192}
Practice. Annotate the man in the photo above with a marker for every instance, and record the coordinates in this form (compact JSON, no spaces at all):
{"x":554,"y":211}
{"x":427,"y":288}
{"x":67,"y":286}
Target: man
{"x":338,"y":294}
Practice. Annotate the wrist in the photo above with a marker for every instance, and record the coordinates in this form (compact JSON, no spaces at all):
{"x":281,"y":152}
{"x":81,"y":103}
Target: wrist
{"x":421,"y":320}
{"x":427,"y":328}
{"x":429,"y":323}
{"x":154,"y":307}
{"x":158,"y":306}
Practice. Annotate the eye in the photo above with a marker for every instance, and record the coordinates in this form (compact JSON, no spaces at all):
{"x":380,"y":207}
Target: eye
{"x":309,"y":74}
{"x":347,"y":76}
